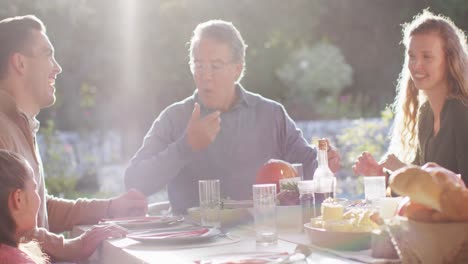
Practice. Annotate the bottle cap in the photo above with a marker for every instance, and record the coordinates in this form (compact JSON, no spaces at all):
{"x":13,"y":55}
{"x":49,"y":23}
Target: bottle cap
{"x":322,"y":144}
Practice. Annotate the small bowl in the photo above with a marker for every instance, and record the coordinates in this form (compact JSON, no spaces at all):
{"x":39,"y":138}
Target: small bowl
{"x":351,"y":241}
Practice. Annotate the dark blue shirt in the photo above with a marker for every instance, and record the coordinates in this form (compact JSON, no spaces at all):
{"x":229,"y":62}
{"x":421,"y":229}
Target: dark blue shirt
{"x":253,"y":131}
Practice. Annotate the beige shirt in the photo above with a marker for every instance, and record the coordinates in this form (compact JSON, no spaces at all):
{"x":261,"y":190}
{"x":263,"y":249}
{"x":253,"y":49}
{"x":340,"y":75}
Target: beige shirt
{"x":17,"y":134}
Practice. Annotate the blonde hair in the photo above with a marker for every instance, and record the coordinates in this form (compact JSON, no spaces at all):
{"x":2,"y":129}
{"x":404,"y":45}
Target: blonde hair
{"x":404,"y":136}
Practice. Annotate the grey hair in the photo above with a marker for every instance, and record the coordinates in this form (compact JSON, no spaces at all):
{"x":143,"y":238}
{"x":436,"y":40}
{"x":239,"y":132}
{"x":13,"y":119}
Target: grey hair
{"x":223,"y":32}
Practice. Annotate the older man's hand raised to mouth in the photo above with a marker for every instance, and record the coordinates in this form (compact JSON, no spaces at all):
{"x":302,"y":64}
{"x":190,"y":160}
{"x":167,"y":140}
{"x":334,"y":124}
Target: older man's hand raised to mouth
{"x":202,"y":131}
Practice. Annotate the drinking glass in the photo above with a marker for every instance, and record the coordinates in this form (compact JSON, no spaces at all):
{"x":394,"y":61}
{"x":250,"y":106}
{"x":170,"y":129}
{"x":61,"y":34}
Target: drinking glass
{"x":264,"y":199}
{"x":388,"y":206}
{"x":374,"y":187}
{"x":210,"y":201}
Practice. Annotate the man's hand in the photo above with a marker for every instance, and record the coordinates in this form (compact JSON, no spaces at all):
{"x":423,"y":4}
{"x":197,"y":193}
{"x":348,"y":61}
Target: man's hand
{"x":201,"y":132}
{"x":131,"y":203}
{"x":87,"y":243}
{"x":366,"y":165}
{"x":333,"y":157}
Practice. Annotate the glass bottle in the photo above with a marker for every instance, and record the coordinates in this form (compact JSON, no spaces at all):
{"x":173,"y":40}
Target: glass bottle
{"x":324,"y":179}
{"x":306,"y":197}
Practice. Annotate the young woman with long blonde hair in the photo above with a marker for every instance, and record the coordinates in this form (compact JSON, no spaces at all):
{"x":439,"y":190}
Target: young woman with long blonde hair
{"x":431,"y":106}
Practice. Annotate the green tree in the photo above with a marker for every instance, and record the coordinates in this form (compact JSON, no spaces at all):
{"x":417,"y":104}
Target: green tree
{"x":316,"y":77}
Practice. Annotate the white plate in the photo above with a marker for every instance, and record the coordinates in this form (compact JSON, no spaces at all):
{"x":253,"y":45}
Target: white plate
{"x":170,"y":236}
{"x":145,"y":221}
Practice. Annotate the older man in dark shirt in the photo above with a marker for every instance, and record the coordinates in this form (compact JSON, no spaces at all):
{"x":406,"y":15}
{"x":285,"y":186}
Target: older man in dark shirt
{"x":220,"y":132}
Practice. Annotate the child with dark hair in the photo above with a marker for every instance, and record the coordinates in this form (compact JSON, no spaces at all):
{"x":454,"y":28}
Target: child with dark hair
{"x":19,"y":203}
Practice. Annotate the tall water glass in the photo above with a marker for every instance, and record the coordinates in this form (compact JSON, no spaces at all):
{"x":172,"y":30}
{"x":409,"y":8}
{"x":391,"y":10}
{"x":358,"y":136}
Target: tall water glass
{"x":210,"y":202}
{"x":374,"y":187}
{"x":264,"y":199}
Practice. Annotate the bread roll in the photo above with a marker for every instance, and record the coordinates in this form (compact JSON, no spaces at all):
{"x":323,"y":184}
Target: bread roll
{"x":419,"y":212}
{"x":454,"y":203}
{"x":436,"y":194}
{"x":419,"y":185}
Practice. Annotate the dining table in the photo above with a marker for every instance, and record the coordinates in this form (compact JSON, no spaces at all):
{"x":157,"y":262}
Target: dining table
{"x":234,"y":242}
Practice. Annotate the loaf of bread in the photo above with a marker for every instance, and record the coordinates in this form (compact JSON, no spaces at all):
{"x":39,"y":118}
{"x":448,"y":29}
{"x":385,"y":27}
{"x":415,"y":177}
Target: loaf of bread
{"x":435,"y":194}
{"x":418,"y":185}
{"x":454,"y":203}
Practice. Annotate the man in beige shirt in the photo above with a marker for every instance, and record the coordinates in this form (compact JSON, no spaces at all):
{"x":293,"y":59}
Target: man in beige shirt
{"x":28,"y":71}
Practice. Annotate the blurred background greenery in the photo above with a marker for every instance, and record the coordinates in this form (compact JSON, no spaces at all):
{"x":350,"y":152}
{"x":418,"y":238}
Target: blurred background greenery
{"x":124,"y":61}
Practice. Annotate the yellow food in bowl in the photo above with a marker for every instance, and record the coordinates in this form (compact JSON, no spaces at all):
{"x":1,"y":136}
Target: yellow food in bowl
{"x":355,"y":220}
{"x":332,"y":211}
{"x":339,"y":226}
